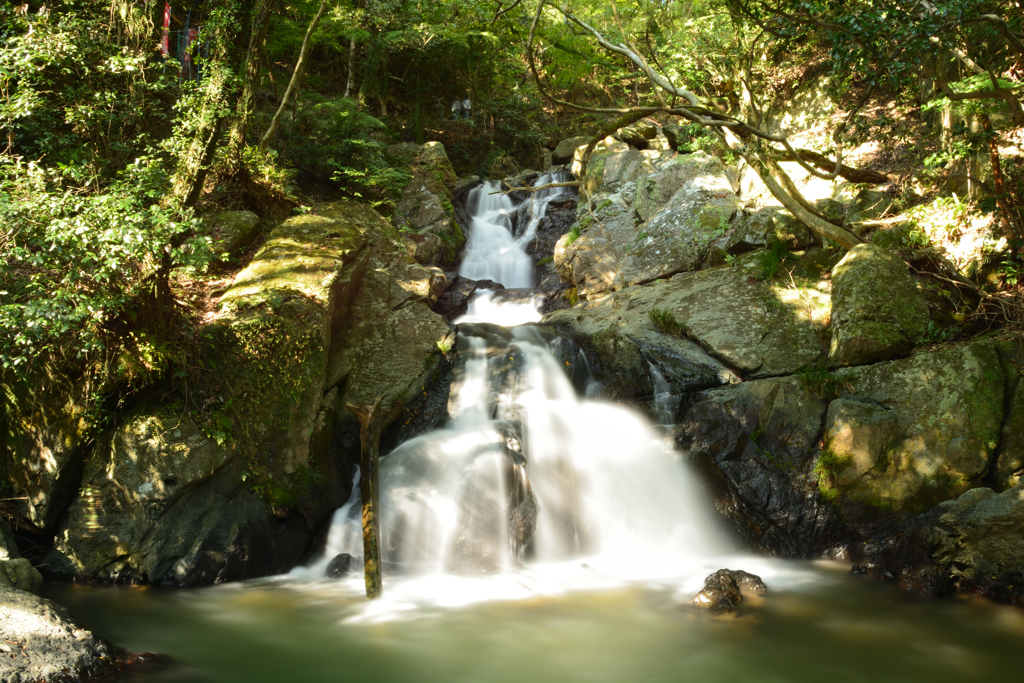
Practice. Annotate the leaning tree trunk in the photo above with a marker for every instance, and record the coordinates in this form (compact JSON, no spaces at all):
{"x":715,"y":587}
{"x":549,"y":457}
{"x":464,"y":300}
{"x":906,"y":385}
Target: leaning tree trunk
{"x":300,"y":66}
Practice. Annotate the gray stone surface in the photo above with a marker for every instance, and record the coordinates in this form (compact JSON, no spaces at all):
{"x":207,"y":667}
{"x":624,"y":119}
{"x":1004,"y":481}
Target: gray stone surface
{"x":41,"y":642}
{"x":19,"y":573}
{"x":926,"y":428}
{"x":233,"y":231}
{"x":977,"y":538}
{"x":877,"y":311}
{"x":8,"y":547}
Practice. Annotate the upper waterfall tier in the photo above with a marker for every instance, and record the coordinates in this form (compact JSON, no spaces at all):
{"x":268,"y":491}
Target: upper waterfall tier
{"x":500,"y":231}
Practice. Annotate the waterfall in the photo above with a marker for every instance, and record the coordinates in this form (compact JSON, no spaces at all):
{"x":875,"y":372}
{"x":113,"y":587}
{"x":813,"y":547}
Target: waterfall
{"x":529,"y":472}
{"x":493,"y":249}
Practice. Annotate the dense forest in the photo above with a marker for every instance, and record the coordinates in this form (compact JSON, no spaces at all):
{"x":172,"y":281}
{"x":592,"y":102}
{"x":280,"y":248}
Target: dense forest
{"x":116,"y":146}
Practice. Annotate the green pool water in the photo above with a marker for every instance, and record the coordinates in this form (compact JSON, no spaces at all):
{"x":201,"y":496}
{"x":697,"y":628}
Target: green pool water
{"x":816,"y":623}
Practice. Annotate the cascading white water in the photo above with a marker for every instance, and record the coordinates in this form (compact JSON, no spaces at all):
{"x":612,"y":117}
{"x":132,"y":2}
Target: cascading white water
{"x":493,"y":252}
{"x":527,"y":471}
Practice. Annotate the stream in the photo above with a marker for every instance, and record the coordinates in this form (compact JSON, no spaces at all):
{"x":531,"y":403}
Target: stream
{"x":545,"y":536}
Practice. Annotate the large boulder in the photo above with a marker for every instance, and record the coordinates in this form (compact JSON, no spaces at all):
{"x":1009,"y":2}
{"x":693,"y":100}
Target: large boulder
{"x":591,"y":260}
{"x":761,"y":228}
{"x":565,"y":149}
{"x":683,"y":203}
{"x":233,"y":231}
{"x":425,"y":206}
{"x":19,"y":573}
{"x":625,"y":349}
{"x":877,"y":311}
{"x":753,"y":445}
{"x":1010,"y":465}
{"x":46,"y":429}
{"x":231,"y":481}
{"x":392,"y":344}
{"x":752,"y":326}
{"x":977,"y":539}
{"x":907,"y":434}
{"x":41,"y":642}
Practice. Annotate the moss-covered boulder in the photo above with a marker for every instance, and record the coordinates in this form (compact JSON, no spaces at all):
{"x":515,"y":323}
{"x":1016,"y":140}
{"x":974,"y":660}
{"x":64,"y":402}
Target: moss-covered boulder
{"x":20,"y":574}
{"x":46,"y":427}
{"x":425,"y":206}
{"x":225,"y":483}
{"x":1010,"y":465}
{"x":877,"y":311}
{"x":565,"y":149}
{"x":233,"y":231}
{"x":907,"y":434}
{"x":392,"y":344}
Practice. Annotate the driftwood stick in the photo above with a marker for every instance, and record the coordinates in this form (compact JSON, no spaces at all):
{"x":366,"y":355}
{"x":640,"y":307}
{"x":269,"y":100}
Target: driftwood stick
{"x":371,"y":420}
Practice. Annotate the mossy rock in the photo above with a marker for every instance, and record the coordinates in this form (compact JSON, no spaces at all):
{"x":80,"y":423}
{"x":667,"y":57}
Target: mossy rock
{"x":926,"y":432}
{"x":877,"y":311}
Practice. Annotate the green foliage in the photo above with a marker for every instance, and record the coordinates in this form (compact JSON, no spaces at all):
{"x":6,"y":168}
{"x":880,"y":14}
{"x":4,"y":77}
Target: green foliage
{"x":828,"y":465}
{"x":574,"y":234}
{"x":331,"y":138}
{"x":665,"y":321}
{"x":816,"y":379}
{"x":75,"y":260}
{"x":770,"y":260}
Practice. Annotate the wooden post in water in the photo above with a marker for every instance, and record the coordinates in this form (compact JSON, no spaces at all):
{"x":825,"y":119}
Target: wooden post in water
{"x":371,"y":420}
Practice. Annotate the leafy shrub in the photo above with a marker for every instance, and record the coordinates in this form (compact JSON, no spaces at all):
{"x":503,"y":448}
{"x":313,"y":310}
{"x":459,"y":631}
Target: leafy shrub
{"x":771,"y":259}
{"x":816,"y":379}
{"x":666,"y":322}
{"x":331,"y":139}
{"x":73,"y":262}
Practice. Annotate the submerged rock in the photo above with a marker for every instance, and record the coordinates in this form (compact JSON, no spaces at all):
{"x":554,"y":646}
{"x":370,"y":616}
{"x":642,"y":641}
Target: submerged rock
{"x":723,"y":590}
{"x":40,"y":642}
{"x":342,"y":565}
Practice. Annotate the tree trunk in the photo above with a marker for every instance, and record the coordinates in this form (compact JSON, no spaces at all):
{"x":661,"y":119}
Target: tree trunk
{"x":351,"y":65}
{"x":371,"y":421}
{"x":243,"y":109}
{"x":782,"y":188}
{"x":1011,"y":226}
{"x":300,"y":66}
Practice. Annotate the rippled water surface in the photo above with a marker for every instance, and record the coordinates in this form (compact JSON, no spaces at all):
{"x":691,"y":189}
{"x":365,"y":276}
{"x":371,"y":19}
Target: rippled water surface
{"x":558,"y":624}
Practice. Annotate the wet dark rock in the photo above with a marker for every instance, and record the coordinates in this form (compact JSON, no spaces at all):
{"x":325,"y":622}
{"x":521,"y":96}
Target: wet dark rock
{"x":753,"y":446}
{"x":558,"y":220}
{"x":721,"y":593}
{"x":342,"y":565}
{"x":723,"y":590}
{"x":39,"y":641}
{"x":455,"y":299}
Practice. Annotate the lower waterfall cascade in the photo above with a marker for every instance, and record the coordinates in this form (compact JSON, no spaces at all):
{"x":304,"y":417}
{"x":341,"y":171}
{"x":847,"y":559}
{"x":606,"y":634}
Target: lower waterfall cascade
{"x":527,"y":474}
